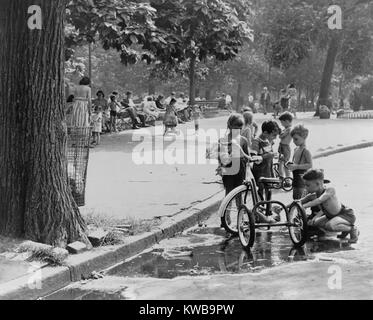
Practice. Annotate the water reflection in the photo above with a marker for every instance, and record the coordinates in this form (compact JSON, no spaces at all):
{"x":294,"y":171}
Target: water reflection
{"x":270,"y":249}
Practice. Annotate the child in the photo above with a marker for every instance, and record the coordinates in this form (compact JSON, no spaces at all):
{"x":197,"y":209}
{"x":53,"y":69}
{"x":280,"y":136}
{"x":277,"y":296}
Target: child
{"x":302,"y":160}
{"x":114,"y":107}
{"x":263,"y":146}
{"x":170,"y":118}
{"x":96,"y":119}
{"x":233,"y":176}
{"x":250,"y":128}
{"x":251,"y":123}
{"x":284,"y":150}
{"x":331,"y":214}
{"x":196,"y":113}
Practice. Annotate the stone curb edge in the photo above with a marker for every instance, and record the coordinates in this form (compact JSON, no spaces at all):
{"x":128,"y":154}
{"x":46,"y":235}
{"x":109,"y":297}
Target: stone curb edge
{"x":350,"y":147}
{"x":81,"y":266}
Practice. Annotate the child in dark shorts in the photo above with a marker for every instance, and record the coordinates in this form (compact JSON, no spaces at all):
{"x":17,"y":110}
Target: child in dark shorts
{"x":263,"y":146}
{"x":113,"y":106}
{"x":302,"y":160}
{"x":233,"y":166}
{"x":328,"y":212}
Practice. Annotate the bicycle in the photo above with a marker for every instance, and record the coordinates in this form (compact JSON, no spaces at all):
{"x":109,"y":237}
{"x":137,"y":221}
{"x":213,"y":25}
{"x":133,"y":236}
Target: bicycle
{"x":247,"y":194}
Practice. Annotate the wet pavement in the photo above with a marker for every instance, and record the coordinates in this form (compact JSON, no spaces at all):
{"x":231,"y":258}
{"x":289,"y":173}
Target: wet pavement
{"x":206,"y":251}
{"x":191,"y":256}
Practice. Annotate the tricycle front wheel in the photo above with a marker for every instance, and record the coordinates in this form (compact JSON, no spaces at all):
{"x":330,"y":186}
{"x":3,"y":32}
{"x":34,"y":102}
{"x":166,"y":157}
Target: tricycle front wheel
{"x":298,"y":227}
{"x":246,"y":227}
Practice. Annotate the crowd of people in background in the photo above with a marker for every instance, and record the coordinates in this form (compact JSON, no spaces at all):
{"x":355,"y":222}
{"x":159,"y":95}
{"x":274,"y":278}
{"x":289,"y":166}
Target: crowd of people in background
{"x":109,"y":113}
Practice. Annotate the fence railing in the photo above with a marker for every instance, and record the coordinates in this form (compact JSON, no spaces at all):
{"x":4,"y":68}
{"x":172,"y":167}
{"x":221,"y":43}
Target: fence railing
{"x":78,"y":143}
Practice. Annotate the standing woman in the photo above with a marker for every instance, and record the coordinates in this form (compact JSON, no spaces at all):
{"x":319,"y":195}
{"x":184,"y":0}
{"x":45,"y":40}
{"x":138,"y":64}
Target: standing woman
{"x":81,"y":109}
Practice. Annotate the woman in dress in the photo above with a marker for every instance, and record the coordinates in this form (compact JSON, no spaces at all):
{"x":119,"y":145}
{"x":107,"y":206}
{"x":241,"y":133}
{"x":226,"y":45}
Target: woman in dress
{"x":81,"y":109}
{"x":170,"y":119}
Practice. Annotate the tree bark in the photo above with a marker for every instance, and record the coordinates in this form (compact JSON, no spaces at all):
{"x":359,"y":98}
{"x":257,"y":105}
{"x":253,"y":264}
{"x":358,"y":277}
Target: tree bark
{"x":192,"y":83}
{"x":239,"y":91}
{"x":328,"y":71}
{"x":35,"y":199}
{"x":151,"y":86}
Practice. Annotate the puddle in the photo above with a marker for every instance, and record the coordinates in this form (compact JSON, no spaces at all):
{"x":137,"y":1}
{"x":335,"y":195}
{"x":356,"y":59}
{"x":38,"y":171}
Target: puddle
{"x":196,"y":254}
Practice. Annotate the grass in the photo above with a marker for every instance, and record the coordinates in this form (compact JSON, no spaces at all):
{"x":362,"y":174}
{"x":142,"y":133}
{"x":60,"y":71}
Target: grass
{"x":106,"y":222}
{"x":45,"y":253}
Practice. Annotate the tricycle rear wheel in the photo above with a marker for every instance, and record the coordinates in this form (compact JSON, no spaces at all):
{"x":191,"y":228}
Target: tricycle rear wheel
{"x":246,"y":227}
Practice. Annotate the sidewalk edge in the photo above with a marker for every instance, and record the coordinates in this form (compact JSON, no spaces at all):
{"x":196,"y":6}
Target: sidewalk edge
{"x":81,"y":266}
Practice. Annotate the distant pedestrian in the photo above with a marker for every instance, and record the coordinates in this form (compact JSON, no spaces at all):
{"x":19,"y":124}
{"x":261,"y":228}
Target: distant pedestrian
{"x":196,"y":114}
{"x":284,"y":100}
{"x":293,"y":99}
{"x":170,"y":120}
{"x":265,"y":100}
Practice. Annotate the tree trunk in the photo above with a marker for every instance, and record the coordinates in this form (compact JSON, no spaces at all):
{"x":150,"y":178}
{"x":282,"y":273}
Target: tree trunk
{"x":151,"y":86}
{"x":192,"y":84}
{"x":238,"y":99}
{"x":36,"y":201}
{"x":328,"y":71}
{"x":90,"y":61}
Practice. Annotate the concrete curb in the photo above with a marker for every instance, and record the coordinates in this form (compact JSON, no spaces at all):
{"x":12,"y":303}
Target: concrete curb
{"x":350,"y":147}
{"x":81,"y":266}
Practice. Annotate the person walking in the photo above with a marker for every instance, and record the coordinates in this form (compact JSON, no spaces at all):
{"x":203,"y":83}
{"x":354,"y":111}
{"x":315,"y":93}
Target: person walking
{"x":265,"y":100}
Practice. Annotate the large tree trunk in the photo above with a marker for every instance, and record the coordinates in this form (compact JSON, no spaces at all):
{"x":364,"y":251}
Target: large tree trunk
{"x":35,"y":199}
{"x":192,"y":81}
{"x":328,"y":71}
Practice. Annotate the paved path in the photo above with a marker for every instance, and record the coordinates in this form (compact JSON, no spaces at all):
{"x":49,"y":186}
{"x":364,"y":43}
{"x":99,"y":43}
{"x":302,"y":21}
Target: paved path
{"x":340,"y":271}
{"x":119,"y":188}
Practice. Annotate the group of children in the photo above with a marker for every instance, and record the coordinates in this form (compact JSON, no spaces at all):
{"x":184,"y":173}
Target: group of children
{"x":308,"y":183}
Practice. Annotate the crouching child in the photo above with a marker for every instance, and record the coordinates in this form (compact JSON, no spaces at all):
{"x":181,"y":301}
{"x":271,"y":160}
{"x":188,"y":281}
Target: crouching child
{"x":329,"y":213}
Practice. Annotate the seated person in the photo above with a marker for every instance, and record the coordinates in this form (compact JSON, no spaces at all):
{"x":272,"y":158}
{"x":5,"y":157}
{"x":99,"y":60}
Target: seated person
{"x":328,"y":212}
{"x":130,"y":107}
{"x":150,"y":110}
{"x":160,"y":103}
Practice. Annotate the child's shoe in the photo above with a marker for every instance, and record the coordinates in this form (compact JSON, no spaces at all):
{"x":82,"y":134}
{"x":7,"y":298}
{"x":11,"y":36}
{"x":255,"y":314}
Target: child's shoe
{"x":354,"y":235}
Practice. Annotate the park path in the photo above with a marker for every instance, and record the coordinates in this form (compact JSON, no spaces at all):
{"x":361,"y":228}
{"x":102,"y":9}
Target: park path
{"x":275,"y":276}
{"x":119,"y":188}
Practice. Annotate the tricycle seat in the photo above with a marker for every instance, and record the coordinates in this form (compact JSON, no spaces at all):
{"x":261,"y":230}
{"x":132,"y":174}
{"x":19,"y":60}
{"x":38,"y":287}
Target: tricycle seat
{"x":269,"y":180}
